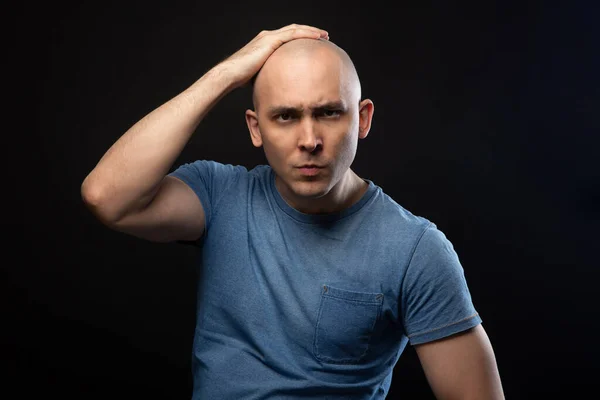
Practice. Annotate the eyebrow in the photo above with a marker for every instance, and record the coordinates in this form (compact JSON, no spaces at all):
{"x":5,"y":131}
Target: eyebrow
{"x":330,"y":105}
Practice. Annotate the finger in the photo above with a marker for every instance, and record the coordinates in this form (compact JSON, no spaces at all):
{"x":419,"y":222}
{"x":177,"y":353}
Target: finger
{"x":299,"y":33}
{"x":322,"y":33}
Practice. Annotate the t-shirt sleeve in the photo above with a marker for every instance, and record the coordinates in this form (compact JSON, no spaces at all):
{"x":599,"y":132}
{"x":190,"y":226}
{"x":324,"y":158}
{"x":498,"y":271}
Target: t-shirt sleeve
{"x":435,"y":298}
{"x":209,"y":180}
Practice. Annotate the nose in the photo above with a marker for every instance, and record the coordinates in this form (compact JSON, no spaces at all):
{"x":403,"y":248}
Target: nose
{"x":308,"y":138}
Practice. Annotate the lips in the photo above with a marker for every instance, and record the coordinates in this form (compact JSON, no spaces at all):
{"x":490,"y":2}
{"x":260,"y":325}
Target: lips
{"x":310,"y":170}
{"x":310,"y":166}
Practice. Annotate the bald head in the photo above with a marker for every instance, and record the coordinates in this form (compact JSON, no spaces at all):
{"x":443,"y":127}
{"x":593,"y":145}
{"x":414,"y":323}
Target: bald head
{"x":306,"y":62}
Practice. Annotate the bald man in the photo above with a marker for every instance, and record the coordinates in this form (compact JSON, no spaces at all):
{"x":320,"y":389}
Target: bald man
{"x":308,"y":118}
{"x":312,"y":279}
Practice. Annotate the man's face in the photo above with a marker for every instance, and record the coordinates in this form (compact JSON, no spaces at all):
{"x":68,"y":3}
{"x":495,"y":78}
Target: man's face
{"x":307,"y":114}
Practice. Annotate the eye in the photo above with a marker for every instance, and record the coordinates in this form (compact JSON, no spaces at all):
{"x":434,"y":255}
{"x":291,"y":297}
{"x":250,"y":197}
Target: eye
{"x":331,"y":113}
{"x":284,"y":117}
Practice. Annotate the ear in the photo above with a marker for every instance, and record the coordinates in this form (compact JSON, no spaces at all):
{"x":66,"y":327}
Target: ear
{"x":366,"y":108}
{"x":252,"y":122}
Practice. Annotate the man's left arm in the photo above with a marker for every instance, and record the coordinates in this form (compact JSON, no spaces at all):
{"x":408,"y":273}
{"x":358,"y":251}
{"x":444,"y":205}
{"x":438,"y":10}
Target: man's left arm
{"x":462,"y":366}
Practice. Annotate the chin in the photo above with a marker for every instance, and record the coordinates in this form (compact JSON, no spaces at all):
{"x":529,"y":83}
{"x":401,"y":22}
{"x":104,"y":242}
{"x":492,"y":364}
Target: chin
{"x":308,"y":189}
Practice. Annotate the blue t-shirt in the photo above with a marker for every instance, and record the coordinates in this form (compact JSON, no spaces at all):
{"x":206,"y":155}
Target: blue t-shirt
{"x":296,"y":306}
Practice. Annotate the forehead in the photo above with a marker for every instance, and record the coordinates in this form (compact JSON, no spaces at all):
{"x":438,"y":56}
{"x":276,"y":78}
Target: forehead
{"x":303,"y":79}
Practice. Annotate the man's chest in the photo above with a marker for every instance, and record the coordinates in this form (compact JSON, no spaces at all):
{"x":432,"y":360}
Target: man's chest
{"x":312,"y":294}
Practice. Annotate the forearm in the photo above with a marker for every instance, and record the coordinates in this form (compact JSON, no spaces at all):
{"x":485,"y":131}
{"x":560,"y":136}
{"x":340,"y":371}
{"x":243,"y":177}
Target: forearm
{"x":129,"y":174}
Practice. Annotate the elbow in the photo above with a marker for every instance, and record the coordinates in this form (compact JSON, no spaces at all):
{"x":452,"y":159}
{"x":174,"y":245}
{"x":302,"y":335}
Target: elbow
{"x":89,"y":194}
{"x":94,"y":199}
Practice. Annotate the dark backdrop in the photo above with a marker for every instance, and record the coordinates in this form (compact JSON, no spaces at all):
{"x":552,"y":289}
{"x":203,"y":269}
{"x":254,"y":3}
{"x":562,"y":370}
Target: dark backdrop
{"x":486,"y":122}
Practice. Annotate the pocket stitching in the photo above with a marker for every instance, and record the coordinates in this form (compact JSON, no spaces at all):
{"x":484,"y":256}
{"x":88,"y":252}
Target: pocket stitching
{"x":378,"y":303}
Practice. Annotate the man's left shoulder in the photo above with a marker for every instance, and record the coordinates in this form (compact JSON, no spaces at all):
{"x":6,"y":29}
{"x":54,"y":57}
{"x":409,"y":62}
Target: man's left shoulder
{"x":395,"y":216}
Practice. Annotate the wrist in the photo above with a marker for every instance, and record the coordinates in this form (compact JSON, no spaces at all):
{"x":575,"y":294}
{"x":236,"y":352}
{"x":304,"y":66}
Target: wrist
{"x":223,"y":76}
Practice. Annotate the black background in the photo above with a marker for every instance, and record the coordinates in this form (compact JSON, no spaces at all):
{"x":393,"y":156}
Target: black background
{"x":486,"y":122}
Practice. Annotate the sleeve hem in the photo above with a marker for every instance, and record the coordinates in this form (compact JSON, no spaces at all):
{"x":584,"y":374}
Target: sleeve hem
{"x":444,"y":331}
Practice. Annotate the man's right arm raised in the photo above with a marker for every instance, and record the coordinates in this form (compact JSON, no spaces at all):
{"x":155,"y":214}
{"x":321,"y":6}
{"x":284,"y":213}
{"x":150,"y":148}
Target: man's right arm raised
{"x":129,"y":189}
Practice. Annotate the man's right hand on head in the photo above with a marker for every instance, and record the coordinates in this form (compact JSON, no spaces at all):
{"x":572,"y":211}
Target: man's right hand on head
{"x":246,"y":62}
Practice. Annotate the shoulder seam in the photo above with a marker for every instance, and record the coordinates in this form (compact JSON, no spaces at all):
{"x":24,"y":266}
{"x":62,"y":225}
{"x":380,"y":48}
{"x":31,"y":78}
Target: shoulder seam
{"x":412,"y":253}
{"x":232,"y":182}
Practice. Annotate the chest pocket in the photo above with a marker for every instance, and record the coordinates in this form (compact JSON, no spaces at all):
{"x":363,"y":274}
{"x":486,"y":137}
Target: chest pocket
{"x":345,"y":324}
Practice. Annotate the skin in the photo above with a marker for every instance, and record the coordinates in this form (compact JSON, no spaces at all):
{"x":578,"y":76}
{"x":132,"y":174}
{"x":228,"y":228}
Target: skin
{"x":462,"y":366}
{"x":297,"y":79}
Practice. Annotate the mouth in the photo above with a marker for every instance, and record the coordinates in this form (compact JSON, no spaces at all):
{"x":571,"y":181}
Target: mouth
{"x":310,"y":166}
{"x":310,"y":169}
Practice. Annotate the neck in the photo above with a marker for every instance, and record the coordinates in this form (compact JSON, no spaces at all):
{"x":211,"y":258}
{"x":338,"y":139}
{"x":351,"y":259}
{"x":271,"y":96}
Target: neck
{"x":344,"y":194}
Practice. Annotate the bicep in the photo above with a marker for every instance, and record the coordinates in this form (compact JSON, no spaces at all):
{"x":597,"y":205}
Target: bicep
{"x":461,"y":366}
{"x":175,"y":213}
